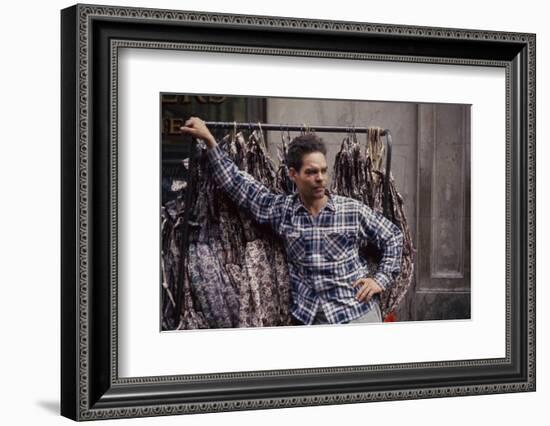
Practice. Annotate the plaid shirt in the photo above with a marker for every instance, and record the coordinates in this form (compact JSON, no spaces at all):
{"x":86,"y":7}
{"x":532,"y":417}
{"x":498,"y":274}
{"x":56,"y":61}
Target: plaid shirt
{"x":322,"y":251}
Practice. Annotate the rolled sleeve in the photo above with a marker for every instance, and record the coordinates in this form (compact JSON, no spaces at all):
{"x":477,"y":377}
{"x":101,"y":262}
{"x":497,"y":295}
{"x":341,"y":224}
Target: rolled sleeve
{"x":382,"y":280}
{"x":244,"y":190}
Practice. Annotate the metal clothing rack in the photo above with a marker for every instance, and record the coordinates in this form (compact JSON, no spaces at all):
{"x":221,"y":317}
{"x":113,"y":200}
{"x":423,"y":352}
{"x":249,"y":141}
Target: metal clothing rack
{"x":215,"y":125}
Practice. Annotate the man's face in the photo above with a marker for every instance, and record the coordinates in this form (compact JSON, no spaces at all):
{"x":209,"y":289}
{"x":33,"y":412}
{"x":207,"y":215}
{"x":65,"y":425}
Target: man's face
{"x":311,"y":179}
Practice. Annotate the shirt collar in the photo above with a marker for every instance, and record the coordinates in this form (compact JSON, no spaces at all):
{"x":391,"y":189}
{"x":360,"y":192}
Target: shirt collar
{"x":297,"y":203}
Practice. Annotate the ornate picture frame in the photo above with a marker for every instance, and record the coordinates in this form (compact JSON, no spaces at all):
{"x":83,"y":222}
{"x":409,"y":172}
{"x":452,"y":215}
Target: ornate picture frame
{"x":91,"y":37}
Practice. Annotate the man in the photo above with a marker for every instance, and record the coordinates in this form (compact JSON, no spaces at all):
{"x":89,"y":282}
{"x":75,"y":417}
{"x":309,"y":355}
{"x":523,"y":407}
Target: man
{"x":321,"y":232}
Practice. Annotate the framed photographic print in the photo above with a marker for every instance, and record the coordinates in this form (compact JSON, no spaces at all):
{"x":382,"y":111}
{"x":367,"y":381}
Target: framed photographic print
{"x":263,"y":212}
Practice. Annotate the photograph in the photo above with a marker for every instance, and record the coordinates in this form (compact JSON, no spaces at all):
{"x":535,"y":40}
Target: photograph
{"x":293,"y":211}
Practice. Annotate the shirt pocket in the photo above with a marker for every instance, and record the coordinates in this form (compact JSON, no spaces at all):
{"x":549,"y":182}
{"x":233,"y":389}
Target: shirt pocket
{"x":296,"y":245}
{"x":338,"y":245}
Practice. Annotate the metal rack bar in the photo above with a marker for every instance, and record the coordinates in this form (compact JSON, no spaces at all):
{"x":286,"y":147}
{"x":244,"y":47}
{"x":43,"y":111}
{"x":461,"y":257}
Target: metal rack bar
{"x":290,"y":127}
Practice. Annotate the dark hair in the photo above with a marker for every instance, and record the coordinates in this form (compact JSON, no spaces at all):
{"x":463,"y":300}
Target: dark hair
{"x":302,"y":145}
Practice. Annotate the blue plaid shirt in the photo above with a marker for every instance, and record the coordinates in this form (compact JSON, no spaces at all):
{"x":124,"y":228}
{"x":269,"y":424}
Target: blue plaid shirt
{"x":322,"y":251}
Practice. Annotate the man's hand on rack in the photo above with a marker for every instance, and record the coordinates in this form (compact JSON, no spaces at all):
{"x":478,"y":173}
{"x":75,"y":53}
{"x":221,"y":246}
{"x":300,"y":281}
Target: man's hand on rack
{"x":197,"y":128}
{"x":367,"y":289}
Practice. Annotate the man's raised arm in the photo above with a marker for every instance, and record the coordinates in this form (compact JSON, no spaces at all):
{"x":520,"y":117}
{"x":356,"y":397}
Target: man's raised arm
{"x":241,"y":187}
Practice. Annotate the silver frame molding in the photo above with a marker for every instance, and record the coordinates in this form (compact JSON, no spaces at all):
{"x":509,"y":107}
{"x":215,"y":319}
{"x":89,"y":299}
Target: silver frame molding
{"x":91,"y":38}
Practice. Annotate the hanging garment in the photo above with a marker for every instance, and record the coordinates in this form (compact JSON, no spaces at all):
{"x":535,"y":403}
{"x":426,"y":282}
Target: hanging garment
{"x":169,"y":265}
{"x":174,"y":273}
{"x":376,"y":154}
{"x":283,"y":183}
{"x":237,"y":270}
{"x":261,"y":280}
{"x":360,"y":176}
{"x":216,"y":295}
